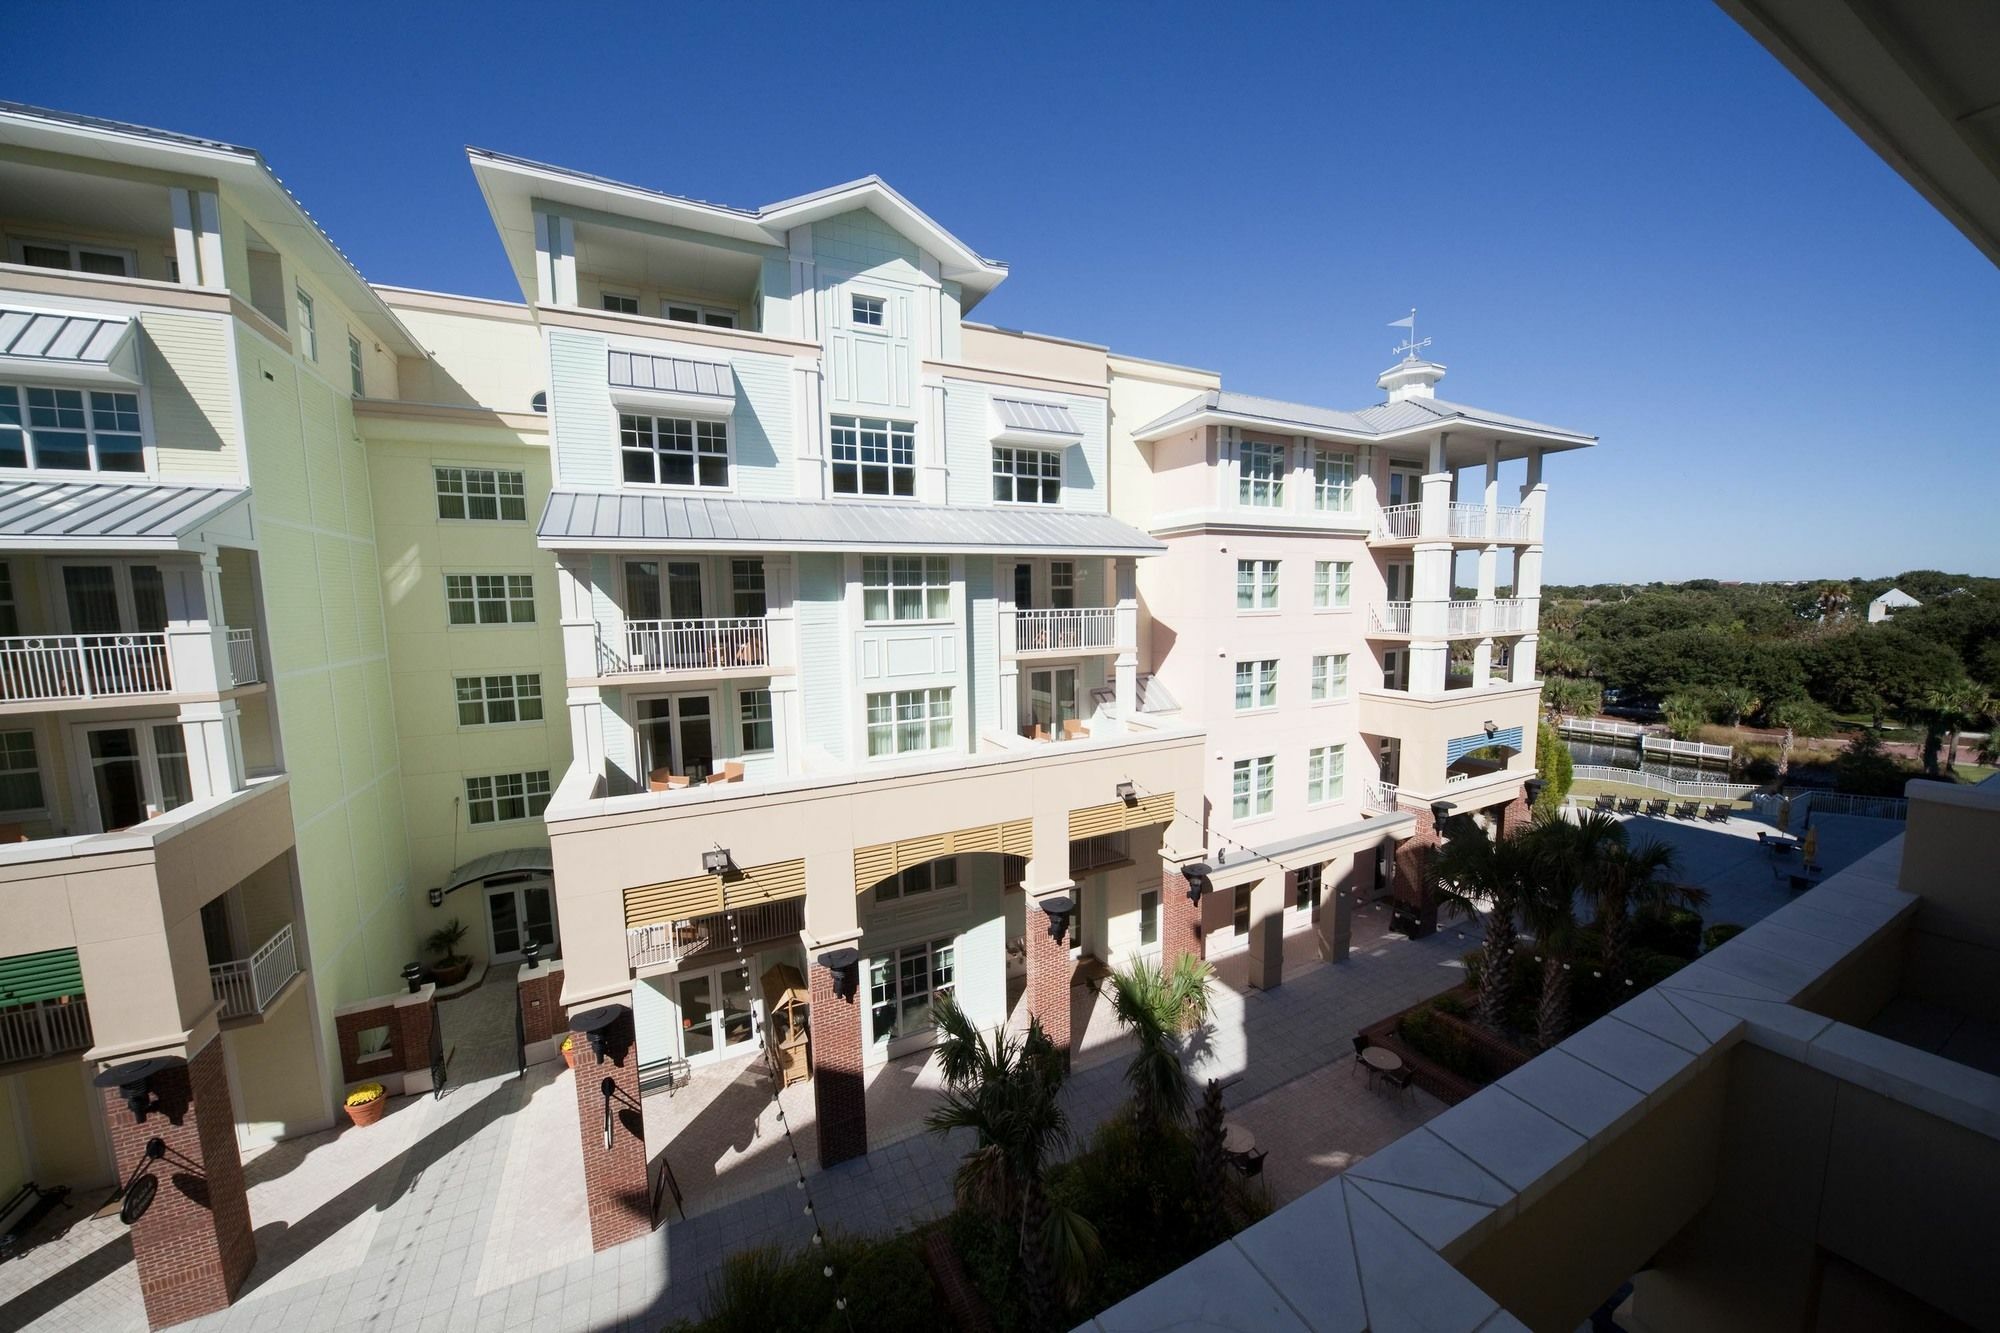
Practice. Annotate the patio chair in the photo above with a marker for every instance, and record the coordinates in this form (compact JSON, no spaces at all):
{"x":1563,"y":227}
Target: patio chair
{"x":1686,"y":810}
{"x":1252,"y":1163}
{"x":1074,"y":729}
{"x":730,"y":771}
{"x":659,"y":779}
{"x":1656,"y":807}
{"x":1607,"y":804}
{"x":1360,"y":1045}
{"x":1401,"y":1079}
{"x":1629,"y":805}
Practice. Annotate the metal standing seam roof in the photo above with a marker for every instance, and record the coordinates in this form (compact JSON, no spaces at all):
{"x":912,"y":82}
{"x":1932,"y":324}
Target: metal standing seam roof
{"x":95,"y":510}
{"x":1381,"y":419}
{"x":671,"y":374}
{"x":1049,"y":418}
{"x":574,"y":519}
{"x":513,"y":861}
{"x":84,"y":340}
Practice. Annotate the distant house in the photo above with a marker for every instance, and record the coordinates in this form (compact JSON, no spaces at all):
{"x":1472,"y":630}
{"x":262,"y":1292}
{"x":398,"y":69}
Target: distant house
{"x":1888,"y":604}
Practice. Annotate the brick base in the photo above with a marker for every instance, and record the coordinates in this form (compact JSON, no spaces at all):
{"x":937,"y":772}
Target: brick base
{"x":1515,"y":816}
{"x":1414,"y":897}
{"x":542,"y":1014}
{"x":615,"y":1179}
{"x":193,"y":1248}
{"x":1050,"y":972}
{"x":1180,"y":920}
{"x":839,"y":1104}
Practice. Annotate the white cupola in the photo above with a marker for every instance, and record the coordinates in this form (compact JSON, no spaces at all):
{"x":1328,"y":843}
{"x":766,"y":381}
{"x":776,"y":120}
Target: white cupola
{"x":1410,"y":378}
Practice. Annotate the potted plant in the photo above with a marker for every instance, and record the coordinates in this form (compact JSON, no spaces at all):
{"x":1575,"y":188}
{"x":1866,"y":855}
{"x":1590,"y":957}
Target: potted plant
{"x":366,"y":1104}
{"x":451,"y":966}
{"x":569,"y":1050}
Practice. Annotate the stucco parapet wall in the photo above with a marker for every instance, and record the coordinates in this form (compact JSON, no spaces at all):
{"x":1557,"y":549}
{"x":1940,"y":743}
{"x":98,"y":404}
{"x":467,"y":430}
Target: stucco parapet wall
{"x":145,"y":292}
{"x":142,"y":841}
{"x":423,"y":994}
{"x":662,"y":329}
{"x":1246,"y":867}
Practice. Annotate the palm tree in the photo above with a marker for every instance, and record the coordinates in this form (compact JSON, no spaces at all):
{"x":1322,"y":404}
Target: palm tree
{"x":1472,"y":866}
{"x":1566,"y":855}
{"x":1007,"y":1093}
{"x":1156,"y":1007}
{"x":1636,"y":881}
{"x":1948,"y":707}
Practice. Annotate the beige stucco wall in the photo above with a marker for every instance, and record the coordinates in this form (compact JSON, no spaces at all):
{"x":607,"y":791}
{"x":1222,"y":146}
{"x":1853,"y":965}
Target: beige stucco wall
{"x":274,"y":1067}
{"x":50,"y":1129}
{"x":484,"y":354}
{"x":1032,"y":354}
{"x":1426,"y":725}
{"x":1954,"y":946}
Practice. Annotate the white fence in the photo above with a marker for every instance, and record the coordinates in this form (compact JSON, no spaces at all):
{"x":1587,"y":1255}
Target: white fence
{"x":243,"y":657}
{"x":1633,"y":777}
{"x":1596,"y":729}
{"x":1389,"y":617}
{"x":1468,"y":520}
{"x":1806,"y":802}
{"x":1401,"y":521}
{"x":1672,"y":748}
{"x":689,"y":645}
{"x":1050,"y":629}
{"x":32,"y":1031}
{"x":83,"y":666}
{"x":246,"y":985}
{"x":1464,"y":617}
{"x":1380,"y":795}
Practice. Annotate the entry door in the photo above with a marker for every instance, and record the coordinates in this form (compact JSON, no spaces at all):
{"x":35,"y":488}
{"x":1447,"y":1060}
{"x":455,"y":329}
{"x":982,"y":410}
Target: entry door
{"x":717,"y":1015}
{"x":1052,"y":698}
{"x":1389,"y":758}
{"x":677,"y":735}
{"x":113,"y":599}
{"x":1401,"y":579}
{"x":517,"y":913}
{"x":1406,"y":485}
{"x":1395,"y":669}
{"x":133,"y":772}
{"x":684,"y":590}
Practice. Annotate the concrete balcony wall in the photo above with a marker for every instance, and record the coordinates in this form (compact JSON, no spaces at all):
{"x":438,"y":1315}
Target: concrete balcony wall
{"x":1425,"y":724}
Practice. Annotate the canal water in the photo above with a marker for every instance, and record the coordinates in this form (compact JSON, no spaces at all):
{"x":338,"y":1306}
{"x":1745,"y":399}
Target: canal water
{"x":1606,"y":755}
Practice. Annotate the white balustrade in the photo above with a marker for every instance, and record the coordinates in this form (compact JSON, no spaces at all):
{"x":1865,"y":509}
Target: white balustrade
{"x":1381,"y":795}
{"x":719,"y":644}
{"x":1400,"y":521}
{"x":1463,"y":522}
{"x":1468,"y":521}
{"x":674,"y":942}
{"x":83,"y":666}
{"x":1512,"y":523}
{"x":1389,"y":617}
{"x":1508,"y":615}
{"x":246,"y":985}
{"x":243,"y":667}
{"x":33,"y":1031}
{"x":1053,"y":629}
{"x":1464,"y":618}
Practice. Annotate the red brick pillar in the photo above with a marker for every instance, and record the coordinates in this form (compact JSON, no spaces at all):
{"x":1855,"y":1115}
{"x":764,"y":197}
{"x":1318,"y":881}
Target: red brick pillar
{"x":840,"y":1103}
{"x":1180,"y":920}
{"x":615,"y":1177}
{"x":1414,"y":897}
{"x":540,"y":998}
{"x":1050,"y":970}
{"x":1515,"y":816}
{"x":193,"y":1246}
{"x":415,"y":1022}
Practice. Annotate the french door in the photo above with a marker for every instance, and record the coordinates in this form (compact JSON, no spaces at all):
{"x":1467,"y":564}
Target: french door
{"x":132,"y":772}
{"x":518,"y":913}
{"x":112,"y":598}
{"x":1052,"y":698}
{"x":1402,"y":581}
{"x":1406,"y":485}
{"x":717,"y":1014}
{"x":677,"y":735}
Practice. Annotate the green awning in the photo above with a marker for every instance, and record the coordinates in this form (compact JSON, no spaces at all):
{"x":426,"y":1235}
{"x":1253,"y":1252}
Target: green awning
{"x":29,"y":978}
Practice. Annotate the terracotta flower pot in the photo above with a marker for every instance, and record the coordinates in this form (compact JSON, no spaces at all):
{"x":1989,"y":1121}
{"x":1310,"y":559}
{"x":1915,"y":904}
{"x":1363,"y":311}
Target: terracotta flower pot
{"x":569,"y":1056}
{"x":452,"y":974}
{"x":368,"y":1113}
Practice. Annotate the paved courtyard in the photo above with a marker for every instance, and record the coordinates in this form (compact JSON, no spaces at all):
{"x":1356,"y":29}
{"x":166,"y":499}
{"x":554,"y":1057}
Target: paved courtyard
{"x":466,"y":1212}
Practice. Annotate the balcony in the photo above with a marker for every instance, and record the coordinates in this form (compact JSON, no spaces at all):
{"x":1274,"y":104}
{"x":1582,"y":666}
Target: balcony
{"x":246,"y":986}
{"x":1389,"y":618}
{"x":50,"y":1027}
{"x":1466,"y":619}
{"x":1089,"y":629}
{"x":1380,"y":796}
{"x":1462,"y":523}
{"x":665,"y":945}
{"x":83,"y":668}
{"x":243,"y":668}
{"x":681,"y":647}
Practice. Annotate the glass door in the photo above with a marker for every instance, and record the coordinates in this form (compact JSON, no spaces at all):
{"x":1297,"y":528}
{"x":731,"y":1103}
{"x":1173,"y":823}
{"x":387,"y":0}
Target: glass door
{"x":1401,"y":579}
{"x":696,"y":995}
{"x":717,"y":1013}
{"x":503,"y":923}
{"x":677,"y":738}
{"x":135,"y":772}
{"x":90,"y":599}
{"x":684,"y":590}
{"x":1052,"y":699}
{"x":1406,"y":485}
{"x":518,"y":913}
{"x":736,"y":1018}
{"x":642,"y":590}
{"x":538,"y":917}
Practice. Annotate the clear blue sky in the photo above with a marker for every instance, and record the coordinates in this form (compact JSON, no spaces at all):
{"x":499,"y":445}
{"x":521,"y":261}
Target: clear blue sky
{"x":1623,"y":218}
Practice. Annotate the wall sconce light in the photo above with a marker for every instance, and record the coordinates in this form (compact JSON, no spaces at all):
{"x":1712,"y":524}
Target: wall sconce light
{"x":845,"y":965}
{"x":134,"y":1081}
{"x":1491,"y":728}
{"x":716,"y":862}
{"x":1440,"y":811}
{"x":595,"y":1025}
{"x":1197,"y":881}
{"x":1127,"y":792}
{"x":436,"y":897}
{"x":1532,"y":789}
{"x":1058,"y":909}
{"x":610,"y":1090}
{"x":413,"y":976}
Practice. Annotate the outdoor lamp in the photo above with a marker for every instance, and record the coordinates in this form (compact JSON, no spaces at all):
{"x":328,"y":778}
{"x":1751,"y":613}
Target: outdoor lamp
{"x":1058,"y":908}
{"x":1491,"y":728}
{"x":845,"y":965}
{"x":413,"y":975}
{"x":435,"y":897}
{"x":1441,"y":811}
{"x":1532,"y":789}
{"x":530,"y":953}
{"x":594,"y":1024}
{"x":716,"y":862}
{"x":1127,"y":792}
{"x":1196,"y":876}
{"x":134,"y":1081}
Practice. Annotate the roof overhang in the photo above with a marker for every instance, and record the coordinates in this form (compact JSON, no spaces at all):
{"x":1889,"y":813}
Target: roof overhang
{"x":1032,"y":424}
{"x":69,"y":346}
{"x":672,"y":384}
{"x":512,"y":861}
{"x":49,"y":516}
{"x":1179,"y":422}
{"x":1234,"y":867}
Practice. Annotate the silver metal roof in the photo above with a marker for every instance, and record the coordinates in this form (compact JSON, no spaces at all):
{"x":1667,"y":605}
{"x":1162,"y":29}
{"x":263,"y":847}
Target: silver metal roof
{"x":83,"y":340}
{"x":1379,"y":420}
{"x":1048,"y":418}
{"x":671,"y":374}
{"x":585,"y":520}
{"x":87,"y":512}
{"x":513,"y":861}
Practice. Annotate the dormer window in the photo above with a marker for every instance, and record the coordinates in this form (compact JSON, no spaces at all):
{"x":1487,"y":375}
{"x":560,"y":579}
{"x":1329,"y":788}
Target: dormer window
{"x":70,"y":430}
{"x":868,"y":311}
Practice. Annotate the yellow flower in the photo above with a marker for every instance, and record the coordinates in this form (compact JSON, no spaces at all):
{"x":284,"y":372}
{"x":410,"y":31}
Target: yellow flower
{"x":366,"y":1093}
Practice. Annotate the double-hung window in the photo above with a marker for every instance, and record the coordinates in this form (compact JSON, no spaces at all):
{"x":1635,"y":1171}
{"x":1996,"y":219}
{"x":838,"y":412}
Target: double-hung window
{"x":674,"y":451}
{"x":70,"y":430}
{"x":1306,"y":882}
{"x":874,"y":456}
{"x":912,"y":881}
{"x":20,"y":772}
{"x":1256,"y":684}
{"x":1326,"y":773}
{"x":909,"y":721}
{"x":1329,"y":677}
{"x":1062,"y":585}
{"x":746,"y":588}
{"x":1260,"y":474}
{"x":1250,"y":786}
{"x":905,"y":587}
{"x":904,"y":985}
{"x":481,"y":493}
{"x":1333,"y":481}
{"x":308,"y":327}
{"x":355,"y":377}
{"x":1026,"y":476}
{"x":1256,"y":585}
{"x":487,"y":701}
{"x":755,"y":709}
{"x":1333,"y":584}
{"x":77,"y":258}
{"x":490,"y":599}
{"x":506,"y":796}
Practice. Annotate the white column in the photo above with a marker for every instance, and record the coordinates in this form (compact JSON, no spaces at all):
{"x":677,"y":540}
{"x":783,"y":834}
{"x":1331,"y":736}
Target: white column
{"x":1482,"y":664}
{"x":1534,"y":495}
{"x":1367,"y":502}
{"x":1436,"y":515}
{"x":1492,"y":497}
{"x":555,"y":259}
{"x":198,"y":658}
{"x":781,"y":628}
{"x":1267,"y":931}
{"x":933,"y":475}
{"x":1524,"y":660}
{"x":1125,"y":667}
{"x":580,"y":662}
{"x":1004,"y":640}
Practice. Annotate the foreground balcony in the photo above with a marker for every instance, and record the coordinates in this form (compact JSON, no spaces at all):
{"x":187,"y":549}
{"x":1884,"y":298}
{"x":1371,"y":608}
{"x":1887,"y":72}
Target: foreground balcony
{"x":1453,"y":522}
{"x":664,"y":946}
{"x":1083,"y":629}
{"x":246,"y":987}
{"x":87,"y":668}
{"x":707,"y":647}
{"x":1470,"y":619}
{"x":49,"y":1027}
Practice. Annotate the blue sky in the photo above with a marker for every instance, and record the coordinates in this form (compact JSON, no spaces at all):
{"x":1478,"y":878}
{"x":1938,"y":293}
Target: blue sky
{"x":1622,"y":218}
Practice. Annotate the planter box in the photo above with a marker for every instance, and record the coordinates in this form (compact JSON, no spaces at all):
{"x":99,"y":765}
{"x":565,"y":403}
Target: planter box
{"x":1500,"y":1056}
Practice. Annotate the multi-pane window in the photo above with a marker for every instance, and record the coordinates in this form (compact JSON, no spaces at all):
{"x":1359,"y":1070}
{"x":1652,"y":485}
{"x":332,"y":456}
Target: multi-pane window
{"x":1257,"y":684}
{"x":1306,"y":881}
{"x":70,"y":430}
{"x":20,"y":773}
{"x":1149,"y":917}
{"x":756,"y":710}
{"x":686,"y":312}
{"x":874,"y":456}
{"x":904,"y":985}
{"x":1062,"y":584}
{"x":10,"y":617}
{"x":485,"y":701}
{"x":308,"y":328}
{"x":746,"y":587}
{"x":1260,"y":474}
{"x":868,"y":311}
{"x":490,"y":599}
{"x":1251,"y":785}
{"x":1333,"y":481}
{"x":1329,"y":677}
{"x":1026,"y":476}
{"x":674,"y":451}
{"x":505,"y":796}
{"x":1333,"y":583}
{"x":909,"y":721}
{"x":618,"y":303}
{"x":78,"y":258}
{"x":355,"y":377}
{"x":1256,"y":585}
{"x":905,"y":587}
{"x":484,"y":493}
{"x":930,"y":877}
{"x":1326,"y":773}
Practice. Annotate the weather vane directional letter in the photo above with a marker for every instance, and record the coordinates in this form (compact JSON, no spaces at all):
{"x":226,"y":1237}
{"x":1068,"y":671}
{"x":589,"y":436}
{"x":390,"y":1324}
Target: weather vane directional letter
{"x":1410,"y":346}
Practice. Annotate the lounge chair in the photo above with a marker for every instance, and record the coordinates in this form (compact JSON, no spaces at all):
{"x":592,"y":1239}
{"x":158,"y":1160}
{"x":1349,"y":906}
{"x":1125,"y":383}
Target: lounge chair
{"x":1629,"y":805}
{"x":1686,"y":810}
{"x":1607,"y":804}
{"x":1656,"y":807}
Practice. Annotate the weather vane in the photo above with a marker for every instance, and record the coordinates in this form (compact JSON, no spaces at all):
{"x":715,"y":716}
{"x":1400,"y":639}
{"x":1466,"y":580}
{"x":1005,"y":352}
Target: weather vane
{"x":1410,"y":346}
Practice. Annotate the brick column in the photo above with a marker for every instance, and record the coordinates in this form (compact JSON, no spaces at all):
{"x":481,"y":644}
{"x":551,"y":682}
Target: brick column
{"x":1180,"y":920}
{"x":1050,"y":973}
{"x":193,"y":1247}
{"x":413,"y":1044}
{"x":840,"y":1103}
{"x":1515,"y":816}
{"x":1413,"y":864}
{"x":615,"y":1179}
{"x":540,"y":993}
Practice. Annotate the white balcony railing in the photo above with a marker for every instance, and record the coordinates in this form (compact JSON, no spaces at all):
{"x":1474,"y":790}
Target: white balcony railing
{"x":246,"y":985}
{"x":1464,"y":617}
{"x":1389,"y":617}
{"x":33,"y":1031}
{"x":727,"y":643}
{"x":1468,"y":521}
{"x":1508,"y":615}
{"x":1401,"y":520}
{"x":1464,"y":522}
{"x":243,"y":657}
{"x":82,"y":666}
{"x":1512,"y":524}
{"x":1048,"y":630}
{"x":673,"y":943}
{"x":1380,"y":795}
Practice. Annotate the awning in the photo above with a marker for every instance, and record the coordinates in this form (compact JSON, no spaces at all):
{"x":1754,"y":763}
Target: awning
{"x":96,"y":515}
{"x":513,"y":861}
{"x":636,"y":521}
{"x":52,"y":345}
{"x":1458,"y":747}
{"x":1021,"y":421}
{"x":30,"y":978}
{"x":673,"y":383}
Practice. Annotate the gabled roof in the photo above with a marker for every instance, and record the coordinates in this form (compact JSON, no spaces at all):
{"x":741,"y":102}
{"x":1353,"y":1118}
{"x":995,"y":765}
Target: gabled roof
{"x":1382,"y":422}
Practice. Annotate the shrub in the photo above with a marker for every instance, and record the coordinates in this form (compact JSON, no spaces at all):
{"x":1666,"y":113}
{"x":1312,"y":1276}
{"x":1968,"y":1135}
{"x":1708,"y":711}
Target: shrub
{"x":1440,"y":1043}
{"x":886,"y":1284}
{"x":1452,"y":1002}
{"x":1557,"y":768}
{"x":1719,"y":934}
{"x":1677,"y":931}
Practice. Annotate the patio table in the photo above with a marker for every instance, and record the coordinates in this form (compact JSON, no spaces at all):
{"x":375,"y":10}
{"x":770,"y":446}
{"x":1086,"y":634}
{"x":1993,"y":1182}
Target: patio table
{"x":1382,"y":1059}
{"x":1238,"y":1141}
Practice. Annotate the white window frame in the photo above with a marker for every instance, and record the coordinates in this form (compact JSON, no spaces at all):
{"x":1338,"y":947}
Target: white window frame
{"x":516,"y":693}
{"x":1021,"y":470}
{"x":1253,"y":787}
{"x":897,"y":577}
{"x":606,"y":295}
{"x":1256,"y":685}
{"x":1326,"y":774}
{"x":705,"y":316}
{"x":90,"y":429}
{"x":895,"y":443}
{"x":495,"y":790}
{"x":19,"y":254}
{"x":10,"y":610}
{"x":308,"y":339}
{"x":12,"y":768}
{"x":747,"y":582}
{"x":695,"y":440}
{"x":1308,"y":886}
{"x":149,"y":755}
{"x":1256,"y":488}
{"x":920,"y":881}
{"x":512,"y":592}
{"x":873,"y":315}
{"x":1333,"y":585}
{"x":755,"y":708}
{"x":889,"y":712}
{"x":1331,"y":493}
{"x":1259,"y":579}
{"x":936,"y":956}
{"x":1329,"y":677}
{"x":356,"y":372}
{"x":454,"y":481}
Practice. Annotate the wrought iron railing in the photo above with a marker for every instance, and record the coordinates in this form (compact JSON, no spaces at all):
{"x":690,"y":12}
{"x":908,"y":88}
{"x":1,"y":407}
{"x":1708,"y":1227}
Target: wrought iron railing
{"x":243,"y":668}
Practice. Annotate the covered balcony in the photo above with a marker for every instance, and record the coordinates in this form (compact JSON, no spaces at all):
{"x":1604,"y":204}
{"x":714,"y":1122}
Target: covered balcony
{"x":705,"y":646}
{"x":1468,"y":618}
{"x":43,"y":1012}
{"x":1454,"y":521}
{"x":663,"y":946}
{"x":246,"y":987}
